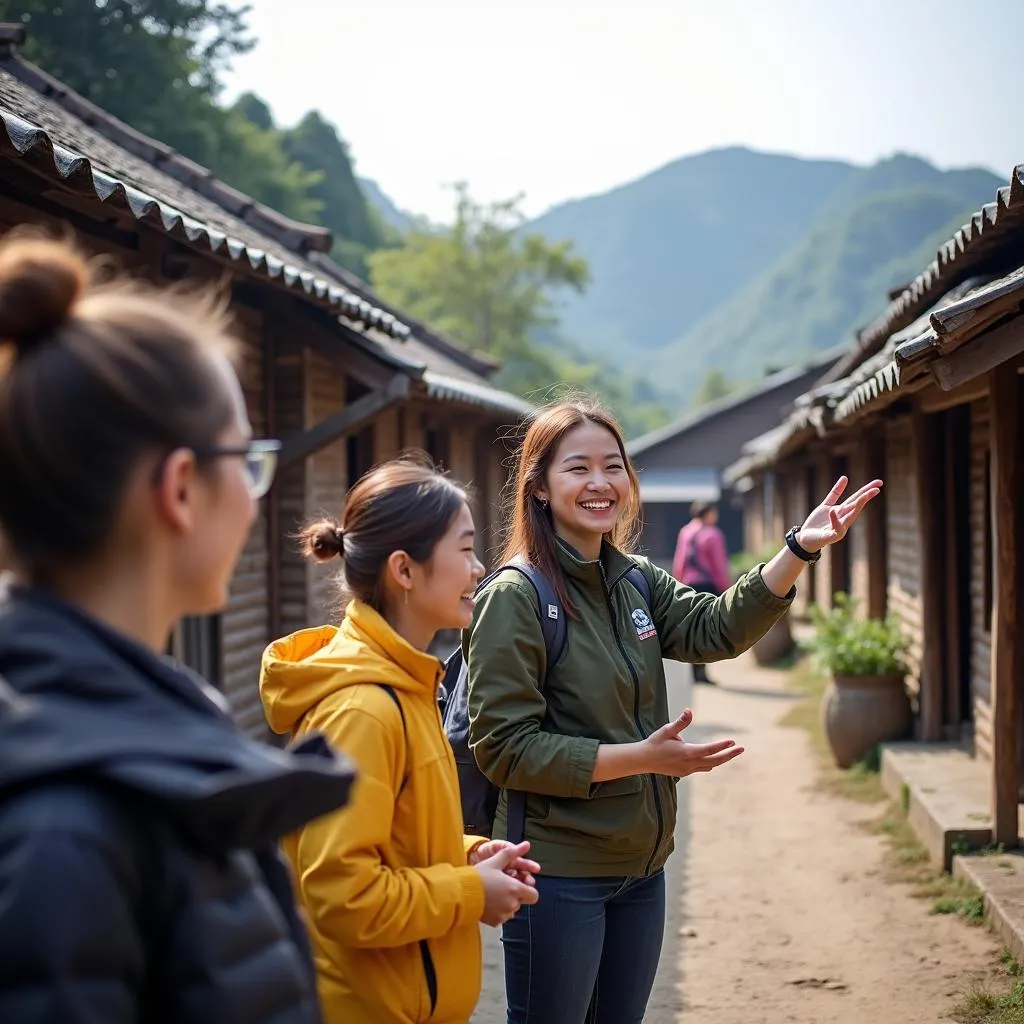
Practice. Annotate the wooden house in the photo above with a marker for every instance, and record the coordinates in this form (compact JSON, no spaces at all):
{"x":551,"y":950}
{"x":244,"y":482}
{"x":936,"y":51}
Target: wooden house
{"x":930,"y":399}
{"x":683,"y":461}
{"x":342,"y":380}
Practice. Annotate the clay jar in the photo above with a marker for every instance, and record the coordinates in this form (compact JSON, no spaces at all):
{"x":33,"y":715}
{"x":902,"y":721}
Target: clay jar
{"x":861,"y":711}
{"x":775,"y":644}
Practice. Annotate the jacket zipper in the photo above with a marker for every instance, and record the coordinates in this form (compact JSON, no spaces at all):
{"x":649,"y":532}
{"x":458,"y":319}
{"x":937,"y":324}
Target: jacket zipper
{"x":430,"y":973}
{"x":636,"y":714}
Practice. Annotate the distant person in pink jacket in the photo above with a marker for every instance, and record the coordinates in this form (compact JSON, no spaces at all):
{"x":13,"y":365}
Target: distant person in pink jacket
{"x":701,"y":560}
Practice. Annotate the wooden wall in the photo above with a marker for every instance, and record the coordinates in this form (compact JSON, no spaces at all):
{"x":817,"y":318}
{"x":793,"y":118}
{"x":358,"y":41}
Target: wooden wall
{"x":903,"y":528}
{"x":981,"y":595}
{"x":327,"y":475}
{"x":244,"y":623}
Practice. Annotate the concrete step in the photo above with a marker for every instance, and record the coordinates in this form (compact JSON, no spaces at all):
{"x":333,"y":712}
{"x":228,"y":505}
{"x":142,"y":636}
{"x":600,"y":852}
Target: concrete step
{"x":1000,"y":877}
{"x":946,"y":794}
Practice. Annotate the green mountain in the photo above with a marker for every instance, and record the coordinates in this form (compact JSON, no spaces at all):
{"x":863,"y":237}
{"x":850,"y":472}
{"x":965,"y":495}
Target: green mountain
{"x":385,"y":207}
{"x":736,"y":260}
{"x":669,"y":247}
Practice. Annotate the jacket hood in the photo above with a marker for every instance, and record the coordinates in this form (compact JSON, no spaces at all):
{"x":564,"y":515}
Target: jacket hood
{"x":302,"y":669}
{"x":77,"y":699}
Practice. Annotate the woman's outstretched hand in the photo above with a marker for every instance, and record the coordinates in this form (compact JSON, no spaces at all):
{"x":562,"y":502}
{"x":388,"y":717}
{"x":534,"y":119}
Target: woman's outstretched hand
{"x":667,"y":753}
{"x":832,"y":519}
{"x":827,"y":524}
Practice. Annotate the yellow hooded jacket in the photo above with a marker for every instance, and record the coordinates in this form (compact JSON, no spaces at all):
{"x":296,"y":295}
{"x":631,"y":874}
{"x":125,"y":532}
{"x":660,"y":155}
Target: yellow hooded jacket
{"x":390,"y":869}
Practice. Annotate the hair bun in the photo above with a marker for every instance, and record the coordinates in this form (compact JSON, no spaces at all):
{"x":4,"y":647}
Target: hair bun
{"x":323,"y":540}
{"x":40,"y":283}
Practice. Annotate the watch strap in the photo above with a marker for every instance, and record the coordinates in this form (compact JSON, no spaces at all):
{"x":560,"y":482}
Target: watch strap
{"x":801,"y":552}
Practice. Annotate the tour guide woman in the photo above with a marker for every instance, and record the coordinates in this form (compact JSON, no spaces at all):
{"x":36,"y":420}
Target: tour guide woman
{"x":590,"y":742}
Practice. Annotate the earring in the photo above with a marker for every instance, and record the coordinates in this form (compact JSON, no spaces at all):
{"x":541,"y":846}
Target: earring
{"x":407,"y":597}
{"x":543,"y":502}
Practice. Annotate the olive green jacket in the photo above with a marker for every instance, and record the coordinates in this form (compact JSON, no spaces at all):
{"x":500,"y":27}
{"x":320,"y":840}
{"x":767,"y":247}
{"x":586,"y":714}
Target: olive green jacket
{"x":541,"y":735}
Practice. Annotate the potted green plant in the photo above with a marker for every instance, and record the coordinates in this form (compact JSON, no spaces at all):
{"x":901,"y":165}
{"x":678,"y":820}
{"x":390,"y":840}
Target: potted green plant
{"x":778,"y":641}
{"x":866,"y":701}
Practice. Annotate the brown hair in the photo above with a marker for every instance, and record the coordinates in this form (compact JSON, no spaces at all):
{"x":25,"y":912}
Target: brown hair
{"x":531,"y":532}
{"x":92,"y":377}
{"x":402,"y":505}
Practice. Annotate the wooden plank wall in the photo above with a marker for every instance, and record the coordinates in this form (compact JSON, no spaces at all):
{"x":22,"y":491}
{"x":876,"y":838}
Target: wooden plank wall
{"x":291,"y":415}
{"x":981,"y":578}
{"x":904,"y":550}
{"x":327,"y":482}
{"x":245,"y":622}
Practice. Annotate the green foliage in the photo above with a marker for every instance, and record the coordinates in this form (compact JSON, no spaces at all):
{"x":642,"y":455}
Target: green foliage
{"x":712,"y":388}
{"x":358,"y":230}
{"x":480,"y":280}
{"x":846,"y":645}
{"x":157,"y":65}
{"x":486,"y":283}
{"x":743,"y":561}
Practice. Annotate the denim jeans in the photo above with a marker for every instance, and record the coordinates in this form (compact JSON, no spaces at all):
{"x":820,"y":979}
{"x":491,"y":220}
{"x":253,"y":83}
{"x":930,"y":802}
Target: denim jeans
{"x":586,"y":953}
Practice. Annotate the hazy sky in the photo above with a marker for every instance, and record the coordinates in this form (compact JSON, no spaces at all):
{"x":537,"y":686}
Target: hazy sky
{"x":560,"y":100}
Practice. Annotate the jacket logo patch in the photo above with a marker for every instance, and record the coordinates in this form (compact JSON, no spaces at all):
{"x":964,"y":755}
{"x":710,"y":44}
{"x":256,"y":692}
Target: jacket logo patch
{"x":552,"y":611}
{"x":644,"y":627}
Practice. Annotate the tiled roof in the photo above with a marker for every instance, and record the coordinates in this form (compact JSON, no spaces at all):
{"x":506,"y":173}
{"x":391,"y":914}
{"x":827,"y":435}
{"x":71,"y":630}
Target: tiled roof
{"x":89,"y":152}
{"x":899,"y":364}
{"x":970,"y":250}
{"x":61,"y":146}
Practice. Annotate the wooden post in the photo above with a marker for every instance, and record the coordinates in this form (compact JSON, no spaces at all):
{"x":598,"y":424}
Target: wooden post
{"x":927,"y":446}
{"x":875,"y":530}
{"x":1008,"y":550}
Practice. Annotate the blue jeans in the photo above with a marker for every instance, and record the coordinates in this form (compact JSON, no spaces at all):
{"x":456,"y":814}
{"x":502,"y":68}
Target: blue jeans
{"x":586,"y":953}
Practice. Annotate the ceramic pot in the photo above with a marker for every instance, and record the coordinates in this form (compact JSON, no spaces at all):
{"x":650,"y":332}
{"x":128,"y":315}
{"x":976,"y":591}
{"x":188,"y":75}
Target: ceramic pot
{"x":860,"y":711}
{"x":775,"y":644}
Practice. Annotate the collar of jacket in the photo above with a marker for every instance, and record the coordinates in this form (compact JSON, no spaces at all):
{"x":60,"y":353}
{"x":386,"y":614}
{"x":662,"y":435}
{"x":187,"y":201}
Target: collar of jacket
{"x":611,"y":566}
{"x":365,"y":624}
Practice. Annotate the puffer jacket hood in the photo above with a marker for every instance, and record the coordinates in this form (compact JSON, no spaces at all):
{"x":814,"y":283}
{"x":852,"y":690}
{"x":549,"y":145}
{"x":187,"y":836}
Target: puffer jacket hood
{"x":83,"y":699}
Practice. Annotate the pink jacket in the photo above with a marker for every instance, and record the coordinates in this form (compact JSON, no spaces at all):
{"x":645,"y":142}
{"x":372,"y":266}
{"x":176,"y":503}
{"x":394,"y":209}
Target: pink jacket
{"x":708,"y":562}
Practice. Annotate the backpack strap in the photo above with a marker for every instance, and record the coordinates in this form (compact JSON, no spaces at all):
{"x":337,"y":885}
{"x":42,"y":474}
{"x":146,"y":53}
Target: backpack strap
{"x":552,"y":615}
{"x":554,"y":628}
{"x":639,"y":579}
{"x":389,"y":690}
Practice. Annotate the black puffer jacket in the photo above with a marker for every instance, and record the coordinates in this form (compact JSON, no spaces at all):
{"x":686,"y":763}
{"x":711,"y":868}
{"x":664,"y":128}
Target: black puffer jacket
{"x":139,"y":878}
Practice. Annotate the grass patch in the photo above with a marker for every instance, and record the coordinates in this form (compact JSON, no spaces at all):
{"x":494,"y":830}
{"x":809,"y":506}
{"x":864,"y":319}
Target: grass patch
{"x":906,"y":862}
{"x":862,"y":781}
{"x":983,"y":1004}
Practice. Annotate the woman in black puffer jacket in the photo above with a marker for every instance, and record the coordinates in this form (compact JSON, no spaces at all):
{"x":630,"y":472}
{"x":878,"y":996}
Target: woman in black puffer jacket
{"x":139,"y":873}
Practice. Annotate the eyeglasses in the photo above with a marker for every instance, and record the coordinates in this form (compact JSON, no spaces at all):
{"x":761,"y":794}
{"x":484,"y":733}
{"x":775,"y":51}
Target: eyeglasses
{"x":260,"y":461}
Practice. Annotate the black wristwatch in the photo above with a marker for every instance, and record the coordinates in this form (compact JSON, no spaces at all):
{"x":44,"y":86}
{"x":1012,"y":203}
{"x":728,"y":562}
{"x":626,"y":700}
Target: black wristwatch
{"x":794,"y":545}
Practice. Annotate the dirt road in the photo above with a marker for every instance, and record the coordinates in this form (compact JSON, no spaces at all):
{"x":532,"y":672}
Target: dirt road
{"x":777,"y":913}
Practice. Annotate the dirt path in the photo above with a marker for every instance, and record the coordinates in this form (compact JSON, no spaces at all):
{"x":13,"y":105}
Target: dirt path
{"x":776,"y":913}
{"x":786,"y":917}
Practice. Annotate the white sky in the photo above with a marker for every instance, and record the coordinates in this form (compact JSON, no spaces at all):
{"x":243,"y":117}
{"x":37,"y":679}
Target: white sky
{"x":560,"y":100}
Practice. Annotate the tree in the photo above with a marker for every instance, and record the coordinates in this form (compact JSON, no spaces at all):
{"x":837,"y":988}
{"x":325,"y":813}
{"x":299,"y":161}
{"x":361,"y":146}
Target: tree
{"x":314,"y":143}
{"x":486,"y":283}
{"x":482,"y":280}
{"x":713,"y":387}
{"x":153,"y":63}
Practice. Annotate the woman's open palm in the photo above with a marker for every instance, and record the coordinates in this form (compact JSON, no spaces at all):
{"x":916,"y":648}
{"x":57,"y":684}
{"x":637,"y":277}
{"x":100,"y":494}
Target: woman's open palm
{"x":832,"y":519}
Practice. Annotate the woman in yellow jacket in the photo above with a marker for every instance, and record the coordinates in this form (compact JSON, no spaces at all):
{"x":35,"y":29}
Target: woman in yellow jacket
{"x":392,"y":890}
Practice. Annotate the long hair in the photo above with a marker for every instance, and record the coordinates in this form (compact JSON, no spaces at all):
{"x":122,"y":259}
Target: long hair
{"x":531,"y":530}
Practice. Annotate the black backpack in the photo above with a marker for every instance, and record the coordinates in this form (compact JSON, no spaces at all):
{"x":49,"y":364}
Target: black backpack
{"x":479,"y":795}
